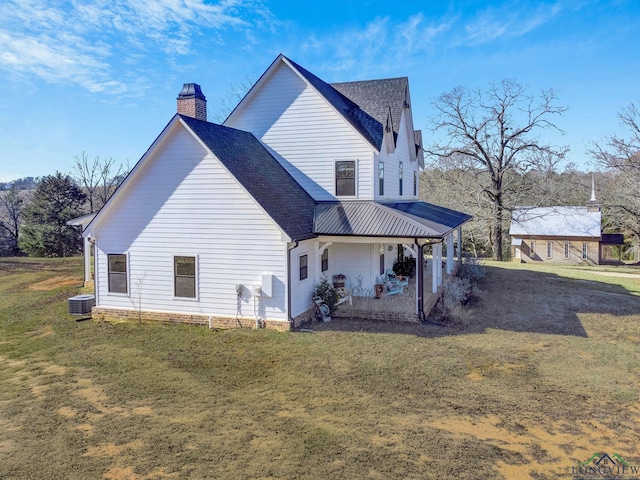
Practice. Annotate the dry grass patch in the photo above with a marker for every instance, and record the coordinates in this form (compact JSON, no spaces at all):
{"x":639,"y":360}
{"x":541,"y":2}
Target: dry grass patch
{"x":544,"y":373}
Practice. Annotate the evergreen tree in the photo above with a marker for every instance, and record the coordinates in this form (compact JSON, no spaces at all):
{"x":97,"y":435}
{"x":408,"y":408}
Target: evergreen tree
{"x":45,"y":233}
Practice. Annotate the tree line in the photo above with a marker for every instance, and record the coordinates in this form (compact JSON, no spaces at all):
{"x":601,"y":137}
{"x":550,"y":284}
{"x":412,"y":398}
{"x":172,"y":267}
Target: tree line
{"x":34,"y":211}
{"x":489,"y":156}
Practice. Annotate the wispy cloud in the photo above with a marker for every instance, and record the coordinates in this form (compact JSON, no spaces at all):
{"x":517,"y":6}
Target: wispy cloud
{"x":380,"y":43}
{"x":508,"y":22}
{"x":75,"y":42}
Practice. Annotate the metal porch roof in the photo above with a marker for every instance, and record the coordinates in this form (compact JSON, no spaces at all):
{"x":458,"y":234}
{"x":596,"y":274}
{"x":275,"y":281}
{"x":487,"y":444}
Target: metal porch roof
{"x":372,"y":219}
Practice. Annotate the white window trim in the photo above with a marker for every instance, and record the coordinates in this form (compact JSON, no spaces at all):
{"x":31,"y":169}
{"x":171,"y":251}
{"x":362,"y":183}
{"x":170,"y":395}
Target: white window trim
{"x":173,"y":277}
{"x":301,"y":280}
{"x":325,"y":251}
{"x":128,"y":292}
{"x":335,"y":179}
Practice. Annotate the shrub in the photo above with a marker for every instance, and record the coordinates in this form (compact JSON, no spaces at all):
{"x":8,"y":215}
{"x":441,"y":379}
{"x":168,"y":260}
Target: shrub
{"x":327,"y":293}
{"x":405,"y":266}
{"x":458,"y":290}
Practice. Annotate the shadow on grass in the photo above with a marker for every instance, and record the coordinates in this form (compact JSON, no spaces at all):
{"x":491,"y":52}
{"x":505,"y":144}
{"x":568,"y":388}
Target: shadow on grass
{"x":518,"y":300}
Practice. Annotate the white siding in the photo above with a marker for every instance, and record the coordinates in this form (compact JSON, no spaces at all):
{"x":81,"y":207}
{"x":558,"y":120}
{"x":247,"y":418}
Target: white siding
{"x":356,"y":261}
{"x":392,"y":160}
{"x":306,"y":133}
{"x":302,"y":290}
{"x":185,"y":203}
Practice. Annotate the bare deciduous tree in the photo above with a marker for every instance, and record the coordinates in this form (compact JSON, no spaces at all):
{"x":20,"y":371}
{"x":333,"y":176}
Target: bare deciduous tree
{"x":495,"y":133}
{"x":12,"y":203}
{"x":98,"y":178}
{"x":619,"y":155}
{"x":236,"y":92}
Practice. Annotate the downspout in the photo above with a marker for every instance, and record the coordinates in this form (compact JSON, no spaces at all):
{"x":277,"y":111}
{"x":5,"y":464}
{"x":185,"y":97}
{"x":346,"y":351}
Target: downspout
{"x":420,"y":281}
{"x":295,"y":245}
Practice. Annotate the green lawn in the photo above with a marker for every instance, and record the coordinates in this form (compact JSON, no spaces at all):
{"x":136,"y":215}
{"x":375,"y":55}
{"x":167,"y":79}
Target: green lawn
{"x":542,"y":373}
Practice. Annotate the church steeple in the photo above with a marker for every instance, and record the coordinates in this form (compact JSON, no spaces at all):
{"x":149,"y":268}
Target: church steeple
{"x":592,"y":204}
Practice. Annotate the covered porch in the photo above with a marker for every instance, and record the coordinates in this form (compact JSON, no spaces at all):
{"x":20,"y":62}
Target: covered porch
{"x":435,"y":260}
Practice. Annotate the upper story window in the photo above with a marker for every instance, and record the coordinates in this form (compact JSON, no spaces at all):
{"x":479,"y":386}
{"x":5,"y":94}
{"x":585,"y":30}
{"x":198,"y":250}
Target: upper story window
{"x":415,"y":183}
{"x":346,"y":178}
{"x":400,"y":179}
{"x":381,"y":178}
{"x":117,"y":273}
{"x":184,"y":270}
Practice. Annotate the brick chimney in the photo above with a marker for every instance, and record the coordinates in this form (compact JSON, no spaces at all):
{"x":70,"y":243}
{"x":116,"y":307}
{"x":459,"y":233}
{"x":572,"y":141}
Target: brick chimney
{"x":192,"y":102}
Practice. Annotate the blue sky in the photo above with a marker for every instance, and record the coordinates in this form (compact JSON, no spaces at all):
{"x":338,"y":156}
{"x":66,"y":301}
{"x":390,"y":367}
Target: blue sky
{"x":102,"y":76}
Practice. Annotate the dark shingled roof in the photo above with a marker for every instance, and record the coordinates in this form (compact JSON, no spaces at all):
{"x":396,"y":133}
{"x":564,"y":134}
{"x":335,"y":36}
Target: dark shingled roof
{"x":286,"y":202}
{"x":372,"y":219}
{"x":612,"y":238}
{"x":369,"y":127}
{"x":376,"y":97}
{"x":435,"y":213}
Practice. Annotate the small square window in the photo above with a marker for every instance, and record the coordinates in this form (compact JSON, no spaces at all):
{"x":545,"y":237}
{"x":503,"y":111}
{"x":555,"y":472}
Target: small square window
{"x":304,"y":269}
{"x":117,"y":273}
{"x":346,"y":178}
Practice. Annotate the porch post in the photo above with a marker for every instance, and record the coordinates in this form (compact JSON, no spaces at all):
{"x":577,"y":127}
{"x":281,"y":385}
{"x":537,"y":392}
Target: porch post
{"x":420,"y":281}
{"x":460,"y":243}
{"x":449,"y":253}
{"x":317,"y":261}
{"x":87,"y":260}
{"x":440,"y":264}
{"x":434,"y":268}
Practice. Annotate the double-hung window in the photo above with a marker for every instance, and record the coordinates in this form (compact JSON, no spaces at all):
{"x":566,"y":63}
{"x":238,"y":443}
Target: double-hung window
{"x":549,"y":250}
{"x":184,"y":276}
{"x":304,"y":266}
{"x":117,"y":270}
{"x":324,"y":261}
{"x":346,"y":178}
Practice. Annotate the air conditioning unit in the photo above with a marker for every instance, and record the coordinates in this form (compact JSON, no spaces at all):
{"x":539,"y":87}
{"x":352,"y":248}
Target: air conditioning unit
{"x":81,"y":304}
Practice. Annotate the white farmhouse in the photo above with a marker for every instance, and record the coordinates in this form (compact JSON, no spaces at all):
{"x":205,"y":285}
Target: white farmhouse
{"x":234,"y":224}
